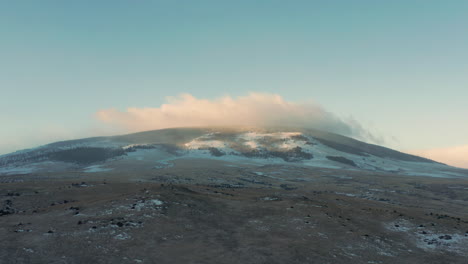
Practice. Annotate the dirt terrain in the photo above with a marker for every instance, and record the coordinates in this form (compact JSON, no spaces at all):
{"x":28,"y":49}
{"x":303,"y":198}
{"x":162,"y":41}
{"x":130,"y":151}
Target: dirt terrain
{"x":207,"y":211}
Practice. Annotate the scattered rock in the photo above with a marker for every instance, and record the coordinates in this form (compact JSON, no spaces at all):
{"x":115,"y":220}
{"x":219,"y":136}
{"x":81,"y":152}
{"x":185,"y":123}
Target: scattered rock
{"x":7,"y":208}
{"x":446,"y":237}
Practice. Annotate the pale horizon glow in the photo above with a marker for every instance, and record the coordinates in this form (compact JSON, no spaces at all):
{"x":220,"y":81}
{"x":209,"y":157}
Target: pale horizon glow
{"x":456,"y":156}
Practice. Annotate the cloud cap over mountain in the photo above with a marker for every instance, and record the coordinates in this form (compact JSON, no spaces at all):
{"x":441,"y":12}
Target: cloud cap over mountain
{"x":254,"y":109}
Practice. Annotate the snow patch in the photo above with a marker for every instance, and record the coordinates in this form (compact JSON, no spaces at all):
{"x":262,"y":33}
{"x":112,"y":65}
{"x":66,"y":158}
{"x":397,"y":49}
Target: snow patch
{"x":122,"y":236}
{"x":156,"y":202}
{"x":96,"y":168}
{"x":162,"y":164}
{"x":16,"y":170}
{"x":430,"y":240}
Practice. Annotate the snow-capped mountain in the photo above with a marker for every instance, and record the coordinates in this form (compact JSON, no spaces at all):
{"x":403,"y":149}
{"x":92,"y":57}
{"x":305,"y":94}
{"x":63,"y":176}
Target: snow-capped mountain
{"x":156,"y":149}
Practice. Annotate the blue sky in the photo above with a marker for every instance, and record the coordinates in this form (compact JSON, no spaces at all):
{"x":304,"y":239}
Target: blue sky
{"x":400,"y":68}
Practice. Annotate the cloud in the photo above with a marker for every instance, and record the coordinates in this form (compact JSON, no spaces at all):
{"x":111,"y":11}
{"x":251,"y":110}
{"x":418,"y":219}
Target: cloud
{"x":456,"y":156}
{"x":255,"y":109}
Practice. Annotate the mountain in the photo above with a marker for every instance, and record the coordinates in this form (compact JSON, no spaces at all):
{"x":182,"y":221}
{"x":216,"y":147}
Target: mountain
{"x":229,"y":195}
{"x":153,"y":149}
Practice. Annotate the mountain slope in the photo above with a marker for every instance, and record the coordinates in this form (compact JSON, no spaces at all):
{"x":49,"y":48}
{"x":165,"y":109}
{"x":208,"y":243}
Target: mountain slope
{"x":150,"y":149}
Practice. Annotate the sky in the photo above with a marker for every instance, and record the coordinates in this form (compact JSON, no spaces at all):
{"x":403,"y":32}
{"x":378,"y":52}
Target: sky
{"x":393,"y":72}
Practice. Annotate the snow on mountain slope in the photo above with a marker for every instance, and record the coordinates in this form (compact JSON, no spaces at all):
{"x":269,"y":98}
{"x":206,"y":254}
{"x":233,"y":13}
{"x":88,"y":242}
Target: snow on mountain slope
{"x":280,"y":147}
{"x":248,"y":145}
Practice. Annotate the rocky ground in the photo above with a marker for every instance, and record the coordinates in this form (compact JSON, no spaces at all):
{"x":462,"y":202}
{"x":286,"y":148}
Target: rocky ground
{"x":201,"y":211}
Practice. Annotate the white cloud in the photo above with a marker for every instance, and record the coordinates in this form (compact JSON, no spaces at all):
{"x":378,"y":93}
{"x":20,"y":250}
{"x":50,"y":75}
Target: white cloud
{"x":255,"y":109}
{"x":455,"y":156}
